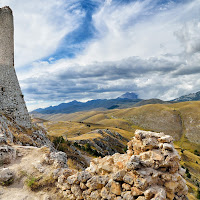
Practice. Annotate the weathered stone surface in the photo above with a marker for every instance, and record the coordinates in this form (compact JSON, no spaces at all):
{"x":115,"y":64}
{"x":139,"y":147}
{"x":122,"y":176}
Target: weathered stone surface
{"x":104,"y":193}
{"x":127,"y":195}
{"x":84,"y":176}
{"x":73,"y":179}
{"x":129,"y":178}
{"x":83,"y":186}
{"x":97,"y":182}
{"x":76,"y":190}
{"x":11,"y":98}
{"x":166,"y":138}
{"x":7,"y":154}
{"x":136,"y":192}
{"x":126,"y":187}
{"x":168,"y":147}
{"x":59,"y":159}
{"x":116,"y":188}
{"x":6,"y":176}
{"x":149,"y":170}
{"x":118,"y":176}
{"x":95,"y":195}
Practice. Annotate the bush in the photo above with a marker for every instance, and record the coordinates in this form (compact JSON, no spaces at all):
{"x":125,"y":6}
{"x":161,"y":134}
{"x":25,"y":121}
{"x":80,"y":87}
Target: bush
{"x":198,"y":194}
{"x":125,"y":149}
{"x":197,"y":184}
{"x":188,"y":173}
{"x":196,"y":153}
{"x":58,"y":140}
{"x":32,"y":182}
{"x":182,"y":150}
{"x":40,"y":182}
{"x":8,"y":182}
{"x":88,"y":149}
{"x":60,"y":143}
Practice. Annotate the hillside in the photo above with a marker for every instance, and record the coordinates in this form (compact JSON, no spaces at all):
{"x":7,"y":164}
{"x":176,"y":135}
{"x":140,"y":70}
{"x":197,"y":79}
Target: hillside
{"x":180,"y":120}
{"x":31,"y":168}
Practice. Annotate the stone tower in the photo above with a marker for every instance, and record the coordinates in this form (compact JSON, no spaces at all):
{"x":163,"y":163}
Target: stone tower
{"x":12,"y":102}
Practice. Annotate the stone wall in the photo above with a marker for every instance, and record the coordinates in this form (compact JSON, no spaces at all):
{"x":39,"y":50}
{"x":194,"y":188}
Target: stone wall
{"x":12,"y":102}
{"x":149,"y":170}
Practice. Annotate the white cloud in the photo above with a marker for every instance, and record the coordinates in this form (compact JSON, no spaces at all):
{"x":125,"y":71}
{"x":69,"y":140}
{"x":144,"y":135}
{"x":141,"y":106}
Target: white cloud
{"x":139,"y":47}
{"x":40,"y":26}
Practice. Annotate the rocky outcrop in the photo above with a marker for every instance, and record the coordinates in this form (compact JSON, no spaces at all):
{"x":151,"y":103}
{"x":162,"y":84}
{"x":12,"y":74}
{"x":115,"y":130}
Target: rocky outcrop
{"x":10,"y":132}
{"x":149,"y":170}
{"x":106,"y":143}
{"x":6,"y":176}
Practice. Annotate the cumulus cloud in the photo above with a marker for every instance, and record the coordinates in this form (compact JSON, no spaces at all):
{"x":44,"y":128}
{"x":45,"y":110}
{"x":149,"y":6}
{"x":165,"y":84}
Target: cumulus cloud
{"x":189,"y":36}
{"x":40,"y":26}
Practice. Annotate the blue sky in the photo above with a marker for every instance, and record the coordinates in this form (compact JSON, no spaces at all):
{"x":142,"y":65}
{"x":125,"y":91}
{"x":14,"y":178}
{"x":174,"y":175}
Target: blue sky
{"x":83,"y":50}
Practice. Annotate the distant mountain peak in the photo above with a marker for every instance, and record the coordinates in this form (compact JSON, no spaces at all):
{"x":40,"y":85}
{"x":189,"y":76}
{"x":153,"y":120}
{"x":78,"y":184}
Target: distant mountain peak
{"x":129,"y":95}
{"x":189,"y":97}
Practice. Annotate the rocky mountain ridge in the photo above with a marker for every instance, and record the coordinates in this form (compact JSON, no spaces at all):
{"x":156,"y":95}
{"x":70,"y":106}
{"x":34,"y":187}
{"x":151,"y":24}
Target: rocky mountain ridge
{"x":126,"y":100}
{"x":129,"y":95}
{"x":189,"y":97}
{"x":76,"y":106}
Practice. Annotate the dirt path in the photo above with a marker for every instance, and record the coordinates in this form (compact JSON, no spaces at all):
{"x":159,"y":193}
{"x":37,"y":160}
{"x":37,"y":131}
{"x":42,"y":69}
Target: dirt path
{"x":24,"y":163}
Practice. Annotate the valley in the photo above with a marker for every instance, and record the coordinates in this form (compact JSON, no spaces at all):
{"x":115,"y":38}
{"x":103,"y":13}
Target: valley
{"x":180,"y":120}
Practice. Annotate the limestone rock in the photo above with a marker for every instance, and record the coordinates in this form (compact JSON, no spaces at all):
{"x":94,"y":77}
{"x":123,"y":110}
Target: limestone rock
{"x":84,"y":176}
{"x":129,"y":178}
{"x":97,"y":182}
{"x":59,"y":159}
{"x":76,"y":190}
{"x":116,"y":188}
{"x":7,"y":154}
{"x":6,"y":176}
{"x":118,"y":176}
{"x":149,"y":170}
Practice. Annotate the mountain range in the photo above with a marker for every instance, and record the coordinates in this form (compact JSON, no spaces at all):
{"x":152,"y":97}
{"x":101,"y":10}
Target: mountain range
{"x":189,"y":97}
{"x":126,"y":100}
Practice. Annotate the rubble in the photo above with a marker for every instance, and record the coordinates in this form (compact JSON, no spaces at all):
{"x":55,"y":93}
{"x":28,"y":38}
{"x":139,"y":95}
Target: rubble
{"x":149,"y":170}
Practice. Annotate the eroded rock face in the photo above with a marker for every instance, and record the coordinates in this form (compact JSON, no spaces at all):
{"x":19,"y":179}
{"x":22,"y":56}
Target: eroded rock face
{"x":149,"y":170}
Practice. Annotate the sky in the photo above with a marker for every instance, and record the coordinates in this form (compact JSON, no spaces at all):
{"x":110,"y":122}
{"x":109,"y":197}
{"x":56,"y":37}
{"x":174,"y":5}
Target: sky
{"x":94,"y":49}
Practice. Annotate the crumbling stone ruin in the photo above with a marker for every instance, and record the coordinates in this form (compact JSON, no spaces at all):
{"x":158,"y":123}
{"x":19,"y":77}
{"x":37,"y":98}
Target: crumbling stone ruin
{"x":149,"y":170}
{"x":12,"y":102}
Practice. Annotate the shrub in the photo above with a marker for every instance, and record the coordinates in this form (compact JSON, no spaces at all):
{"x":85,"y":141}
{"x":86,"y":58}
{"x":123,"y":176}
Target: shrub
{"x":32,"y":182}
{"x":88,"y":149}
{"x":198,"y":194}
{"x":188,"y":173}
{"x":60,"y":143}
{"x":182,"y":150}
{"x":125,"y":149}
{"x":37,"y":183}
{"x":8,"y":182}
{"x":196,"y":153}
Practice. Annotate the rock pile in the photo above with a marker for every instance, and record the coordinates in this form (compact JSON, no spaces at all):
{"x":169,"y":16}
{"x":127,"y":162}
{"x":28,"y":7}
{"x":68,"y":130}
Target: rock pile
{"x":149,"y":170}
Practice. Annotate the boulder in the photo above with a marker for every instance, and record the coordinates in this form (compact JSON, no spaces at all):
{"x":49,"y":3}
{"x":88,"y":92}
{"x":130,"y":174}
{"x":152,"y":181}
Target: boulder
{"x":6,"y":176}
